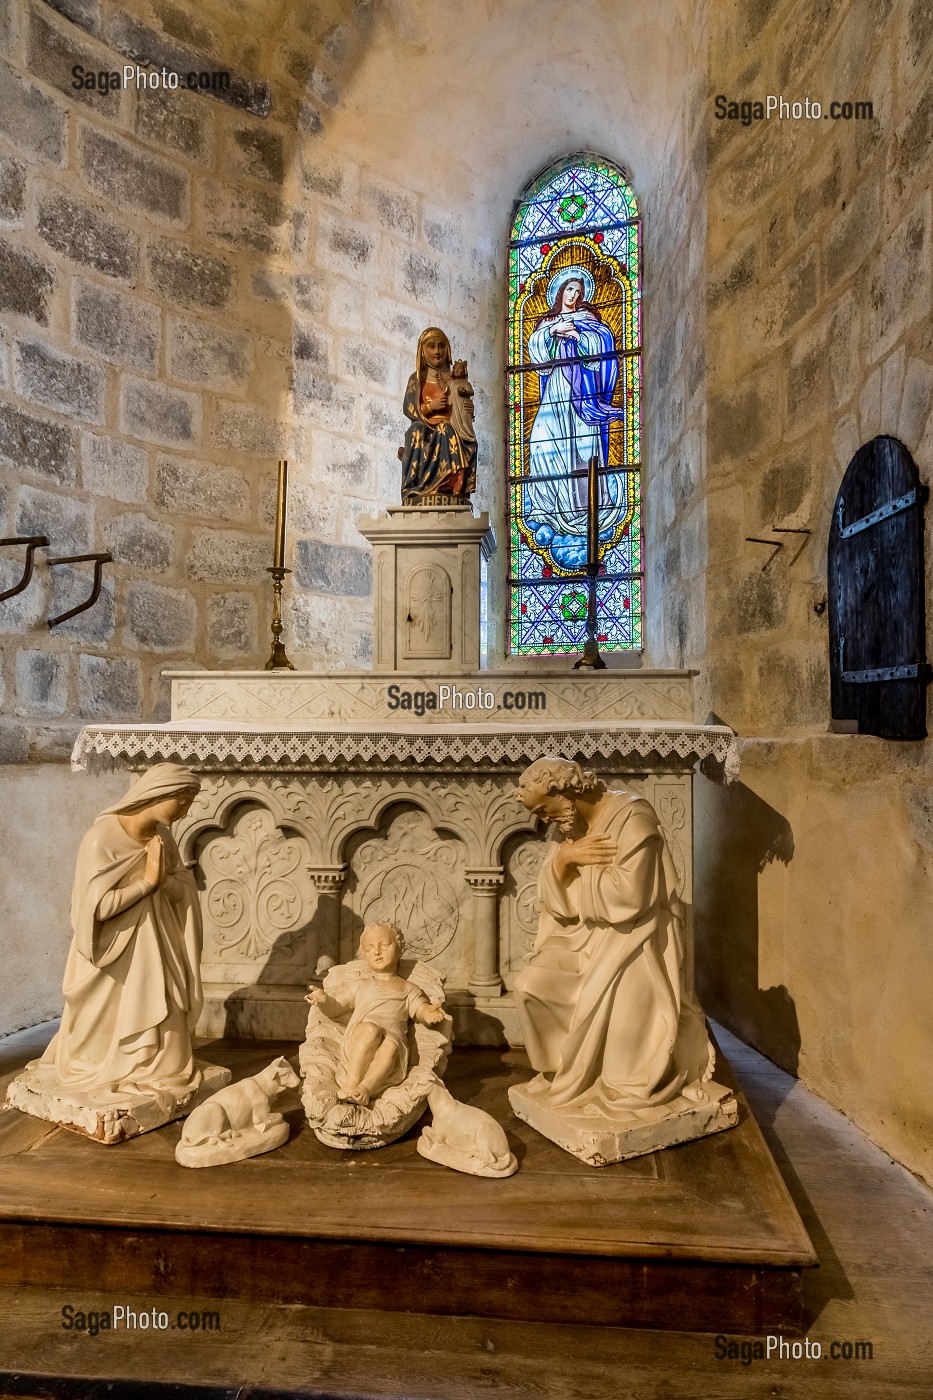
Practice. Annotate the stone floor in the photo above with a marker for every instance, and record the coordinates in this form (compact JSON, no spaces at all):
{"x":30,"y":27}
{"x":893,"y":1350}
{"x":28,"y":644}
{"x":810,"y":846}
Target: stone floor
{"x":871,"y":1222}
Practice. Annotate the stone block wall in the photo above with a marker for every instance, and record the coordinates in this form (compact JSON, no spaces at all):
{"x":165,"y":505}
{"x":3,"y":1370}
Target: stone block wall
{"x":131,"y":333}
{"x":674,"y":469}
{"x":189,"y":289}
{"x":811,"y":924}
{"x":818,"y":306}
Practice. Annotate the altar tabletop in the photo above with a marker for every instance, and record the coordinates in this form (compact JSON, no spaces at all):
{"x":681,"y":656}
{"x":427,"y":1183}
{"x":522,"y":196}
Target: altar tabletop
{"x":250,"y":743}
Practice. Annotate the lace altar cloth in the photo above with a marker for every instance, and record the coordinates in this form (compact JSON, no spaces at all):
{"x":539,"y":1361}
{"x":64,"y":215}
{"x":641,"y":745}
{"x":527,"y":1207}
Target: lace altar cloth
{"x":219,"y":746}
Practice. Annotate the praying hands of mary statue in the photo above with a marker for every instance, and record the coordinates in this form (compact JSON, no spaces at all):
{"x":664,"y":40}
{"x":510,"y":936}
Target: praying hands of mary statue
{"x":132,"y":982}
{"x":601,"y":1001}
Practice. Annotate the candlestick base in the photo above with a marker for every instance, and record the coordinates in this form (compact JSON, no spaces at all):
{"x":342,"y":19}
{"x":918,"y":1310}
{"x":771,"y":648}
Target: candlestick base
{"x":590,"y":657}
{"x":278,"y":660}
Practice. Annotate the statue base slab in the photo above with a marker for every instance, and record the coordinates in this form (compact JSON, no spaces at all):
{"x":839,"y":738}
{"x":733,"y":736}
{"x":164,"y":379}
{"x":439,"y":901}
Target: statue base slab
{"x":237,"y":1147}
{"x":426,"y":586}
{"x":599,"y":1141}
{"x":445,"y":1156}
{"x":38,"y":1092}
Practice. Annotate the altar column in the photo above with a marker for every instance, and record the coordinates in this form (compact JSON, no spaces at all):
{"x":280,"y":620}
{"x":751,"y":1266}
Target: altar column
{"x":328,"y":881}
{"x":485,"y":881}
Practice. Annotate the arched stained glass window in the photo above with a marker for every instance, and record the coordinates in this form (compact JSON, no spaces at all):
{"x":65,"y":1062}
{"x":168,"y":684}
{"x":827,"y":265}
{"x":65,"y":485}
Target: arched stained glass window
{"x":574,"y":382}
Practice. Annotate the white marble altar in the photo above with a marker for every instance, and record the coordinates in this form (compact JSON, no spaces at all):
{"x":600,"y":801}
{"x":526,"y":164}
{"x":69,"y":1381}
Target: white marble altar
{"x":326,"y":804}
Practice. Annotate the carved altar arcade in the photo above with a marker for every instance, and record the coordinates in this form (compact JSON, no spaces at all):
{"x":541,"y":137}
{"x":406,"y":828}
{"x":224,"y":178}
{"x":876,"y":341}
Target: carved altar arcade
{"x":320,"y":811}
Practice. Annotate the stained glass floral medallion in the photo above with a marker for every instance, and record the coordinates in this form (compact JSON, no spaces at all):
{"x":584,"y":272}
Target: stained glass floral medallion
{"x":574,"y":386}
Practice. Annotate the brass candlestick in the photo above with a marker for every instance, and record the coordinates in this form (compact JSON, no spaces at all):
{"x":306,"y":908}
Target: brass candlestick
{"x":278,"y":660}
{"x":591,"y":656}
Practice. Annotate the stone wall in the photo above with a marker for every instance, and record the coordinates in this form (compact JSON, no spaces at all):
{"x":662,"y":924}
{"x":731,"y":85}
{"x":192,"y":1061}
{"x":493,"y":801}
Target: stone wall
{"x":675,"y":370}
{"x":139,"y":361}
{"x":811,"y":919}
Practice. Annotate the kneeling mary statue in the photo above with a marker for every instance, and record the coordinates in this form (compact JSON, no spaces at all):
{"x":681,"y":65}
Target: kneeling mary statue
{"x":123,"y":1061}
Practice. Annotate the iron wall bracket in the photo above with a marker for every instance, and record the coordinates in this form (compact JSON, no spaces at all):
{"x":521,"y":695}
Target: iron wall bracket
{"x":99,"y":561}
{"x":32,"y":543}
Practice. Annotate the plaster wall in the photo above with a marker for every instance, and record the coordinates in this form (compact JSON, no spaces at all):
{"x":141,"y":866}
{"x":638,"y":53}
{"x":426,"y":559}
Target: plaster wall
{"x":43,"y":815}
{"x":815,"y":872}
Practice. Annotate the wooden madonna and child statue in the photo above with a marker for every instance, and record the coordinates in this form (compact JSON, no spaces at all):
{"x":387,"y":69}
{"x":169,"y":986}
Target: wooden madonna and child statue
{"x":439,"y":454}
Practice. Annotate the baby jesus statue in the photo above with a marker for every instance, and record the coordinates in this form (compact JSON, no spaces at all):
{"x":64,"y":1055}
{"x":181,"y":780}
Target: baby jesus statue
{"x":374,"y":1053}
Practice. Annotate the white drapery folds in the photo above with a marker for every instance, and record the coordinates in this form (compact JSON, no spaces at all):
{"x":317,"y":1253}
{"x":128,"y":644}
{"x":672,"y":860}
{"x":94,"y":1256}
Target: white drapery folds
{"x":132,"y":982}
{"x":601,"y":1001}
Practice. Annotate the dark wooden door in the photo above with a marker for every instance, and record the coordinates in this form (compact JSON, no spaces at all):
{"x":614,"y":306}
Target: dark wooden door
{"x":877,"y":634}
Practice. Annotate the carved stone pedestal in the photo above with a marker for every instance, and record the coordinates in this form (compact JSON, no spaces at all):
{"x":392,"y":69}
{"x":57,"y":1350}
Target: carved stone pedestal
{"x":426,"y":578}
{"x":327,"y":804}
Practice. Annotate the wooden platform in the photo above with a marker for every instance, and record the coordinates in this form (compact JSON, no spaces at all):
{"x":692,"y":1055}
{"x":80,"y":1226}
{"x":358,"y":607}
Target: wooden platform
{"x":678,"y":1240}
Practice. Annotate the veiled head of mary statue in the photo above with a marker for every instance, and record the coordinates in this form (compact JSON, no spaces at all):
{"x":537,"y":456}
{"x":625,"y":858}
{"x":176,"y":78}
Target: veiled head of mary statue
{"x":165,"y":791}
{"x":549,"y":786}
{"x":433,"y":350}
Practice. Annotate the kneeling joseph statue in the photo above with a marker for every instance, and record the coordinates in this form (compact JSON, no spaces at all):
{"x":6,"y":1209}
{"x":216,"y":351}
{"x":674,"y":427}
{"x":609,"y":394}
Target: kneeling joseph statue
{"x":601,"y":1001}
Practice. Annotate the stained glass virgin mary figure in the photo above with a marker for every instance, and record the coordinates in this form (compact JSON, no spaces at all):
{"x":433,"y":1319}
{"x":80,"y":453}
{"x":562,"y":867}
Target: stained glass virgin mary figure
{"x":574,"y":384}
{"x":571,"y":425}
